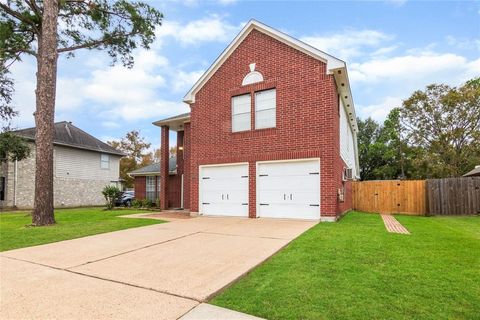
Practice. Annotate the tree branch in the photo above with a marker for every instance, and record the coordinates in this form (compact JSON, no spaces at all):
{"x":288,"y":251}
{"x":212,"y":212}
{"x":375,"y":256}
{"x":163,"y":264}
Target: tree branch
{"x":19,"y":16}
{"x":34,"y":7}
{"x":94,"y":43}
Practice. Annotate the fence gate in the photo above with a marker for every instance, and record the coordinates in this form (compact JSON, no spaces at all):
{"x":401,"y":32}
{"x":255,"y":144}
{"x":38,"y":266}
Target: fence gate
{"x":454,"y":196}
{"x":390,"y":196}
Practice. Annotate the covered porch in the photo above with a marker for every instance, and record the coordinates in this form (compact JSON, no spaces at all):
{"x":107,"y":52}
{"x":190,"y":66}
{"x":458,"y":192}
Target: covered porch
{"x":174,"y":191}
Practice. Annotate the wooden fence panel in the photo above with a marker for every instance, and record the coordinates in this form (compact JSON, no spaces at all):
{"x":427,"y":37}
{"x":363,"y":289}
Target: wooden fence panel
{"x":454,"y":196}
{"x":390,"y":196}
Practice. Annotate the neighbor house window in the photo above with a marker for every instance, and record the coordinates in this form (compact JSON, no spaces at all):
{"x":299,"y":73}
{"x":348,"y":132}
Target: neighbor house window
{"x":105,"y":161}
{"x":241,"y":106}
{"x":150,"y":188}
{"x":265,"y":109}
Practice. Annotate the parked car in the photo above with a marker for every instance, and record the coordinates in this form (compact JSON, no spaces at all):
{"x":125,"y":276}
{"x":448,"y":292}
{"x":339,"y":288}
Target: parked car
{"x":125,"y":199}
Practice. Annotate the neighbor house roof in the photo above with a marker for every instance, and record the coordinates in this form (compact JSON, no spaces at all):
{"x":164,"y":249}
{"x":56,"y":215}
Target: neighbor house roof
{"x":335,"y":66}
{"x":154,"y":168}
{"x":474,"y":173}
{"x":66,"y":134}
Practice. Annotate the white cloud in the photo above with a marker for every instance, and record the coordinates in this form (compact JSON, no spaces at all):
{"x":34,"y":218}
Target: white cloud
{"x":209,"y":29}
{"x":379,"y":111}
{"x":111,"y":124}
{"x":349,"y":43}
{"x":433,"y":67}
{"x":183,"y":81}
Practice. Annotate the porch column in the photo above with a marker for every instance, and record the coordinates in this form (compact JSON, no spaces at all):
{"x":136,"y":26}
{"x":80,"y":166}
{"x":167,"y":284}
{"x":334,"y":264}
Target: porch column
{"x":164,"y":159}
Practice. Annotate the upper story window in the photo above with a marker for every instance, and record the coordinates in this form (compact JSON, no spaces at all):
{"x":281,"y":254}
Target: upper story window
{"x":241,"y":111}
{"x":265,"y":109}
{"x":105,"y":161}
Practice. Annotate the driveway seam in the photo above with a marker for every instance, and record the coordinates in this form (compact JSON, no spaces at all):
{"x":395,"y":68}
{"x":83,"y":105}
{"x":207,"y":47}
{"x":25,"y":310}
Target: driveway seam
{"x":105,"y":279}
{"x":130,"y":251}
{"x":244,"y":236}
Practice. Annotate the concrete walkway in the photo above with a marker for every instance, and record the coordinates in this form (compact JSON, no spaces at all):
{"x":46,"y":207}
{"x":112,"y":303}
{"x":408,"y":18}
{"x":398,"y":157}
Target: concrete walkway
{"x":161,"y":271}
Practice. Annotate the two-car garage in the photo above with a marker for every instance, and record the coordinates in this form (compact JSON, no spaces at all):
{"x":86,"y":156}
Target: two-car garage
{"x":284,"y":189}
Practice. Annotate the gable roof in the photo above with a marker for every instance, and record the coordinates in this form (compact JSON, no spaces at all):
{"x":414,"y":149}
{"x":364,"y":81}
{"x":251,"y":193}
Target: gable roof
{"x":335,"y":66}
{"x":154,"y":168}
{"x":473,"y":173}
{"x":66,"y":134}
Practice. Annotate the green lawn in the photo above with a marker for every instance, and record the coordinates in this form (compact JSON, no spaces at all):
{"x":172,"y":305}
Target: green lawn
{"x":354,"y":269}
{"x":71,"y":223}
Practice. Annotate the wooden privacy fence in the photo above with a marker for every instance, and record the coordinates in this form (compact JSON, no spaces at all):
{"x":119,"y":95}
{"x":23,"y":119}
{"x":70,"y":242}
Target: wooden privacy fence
{"x":452,"y":196}
{"x":390,"y":196}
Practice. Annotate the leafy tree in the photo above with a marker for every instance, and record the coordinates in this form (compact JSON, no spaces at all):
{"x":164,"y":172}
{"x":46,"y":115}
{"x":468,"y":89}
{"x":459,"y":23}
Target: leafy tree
{"x":12,"y":147}
{"x":46,"y":28}
{"x":444,"y":122}
{"x":135,"y":148}
{"x":369,"y":151}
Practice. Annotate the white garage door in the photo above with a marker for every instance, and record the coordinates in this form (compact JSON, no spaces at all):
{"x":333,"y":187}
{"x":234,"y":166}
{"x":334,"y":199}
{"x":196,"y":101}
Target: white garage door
{"x":224,"y":190}
{"x":289,"y":189}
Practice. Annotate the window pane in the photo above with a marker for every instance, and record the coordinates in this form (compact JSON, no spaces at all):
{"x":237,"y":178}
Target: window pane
{"x":265,"y":119}
{"x":241,"y":104}
{"x":241,"y":122}
{"x":265,"y":100}
{"x":104,"y":161}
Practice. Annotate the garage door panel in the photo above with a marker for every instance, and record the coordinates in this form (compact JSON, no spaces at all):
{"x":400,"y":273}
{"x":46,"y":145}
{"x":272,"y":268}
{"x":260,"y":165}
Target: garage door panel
{"x":289,"y":189}
{"x":224,"y":190}
{"x":294,"y":168}
{"x":288,"y":210}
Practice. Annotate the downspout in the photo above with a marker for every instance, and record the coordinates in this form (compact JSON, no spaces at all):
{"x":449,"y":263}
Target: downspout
{"x":15,"y":170}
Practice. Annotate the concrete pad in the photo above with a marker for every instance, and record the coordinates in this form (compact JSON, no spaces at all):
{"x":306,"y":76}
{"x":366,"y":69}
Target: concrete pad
{"x":79,"y":251}
{"x":268,"y":228}
{"x":30,"y":291}
{"x":195,"y":266}
{"x":206,"y":311}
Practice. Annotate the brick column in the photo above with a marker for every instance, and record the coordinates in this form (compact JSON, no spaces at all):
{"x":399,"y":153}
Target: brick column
{"x":164,"y":159}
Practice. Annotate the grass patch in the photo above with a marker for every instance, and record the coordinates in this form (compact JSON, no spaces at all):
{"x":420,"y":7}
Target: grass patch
{"x":354,"y":269}
{"x":71,"y":223}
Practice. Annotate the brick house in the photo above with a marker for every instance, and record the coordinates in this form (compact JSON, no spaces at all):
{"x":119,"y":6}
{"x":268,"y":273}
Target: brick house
{"x":271,"y":133}
{"x":147,"y":183}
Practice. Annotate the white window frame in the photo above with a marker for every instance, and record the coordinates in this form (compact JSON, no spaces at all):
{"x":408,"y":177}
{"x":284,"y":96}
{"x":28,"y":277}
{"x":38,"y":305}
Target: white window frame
{"x":234,"y":129}
{"x":105,"y":161}
{"x":274,"y":108}
{"x":150,"y":188}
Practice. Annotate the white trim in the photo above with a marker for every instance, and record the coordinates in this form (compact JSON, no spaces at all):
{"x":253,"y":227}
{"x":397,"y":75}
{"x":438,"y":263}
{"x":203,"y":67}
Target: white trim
{"x":257,"y":206}
{"x":200,"y":206}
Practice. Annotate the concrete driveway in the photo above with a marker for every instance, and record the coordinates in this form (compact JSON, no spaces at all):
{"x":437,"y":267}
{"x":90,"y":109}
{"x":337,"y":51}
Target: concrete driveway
{"x":160,"y":271}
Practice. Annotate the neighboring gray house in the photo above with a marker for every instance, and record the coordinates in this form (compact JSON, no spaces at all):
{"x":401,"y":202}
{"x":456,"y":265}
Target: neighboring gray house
{"x":83,"y":165}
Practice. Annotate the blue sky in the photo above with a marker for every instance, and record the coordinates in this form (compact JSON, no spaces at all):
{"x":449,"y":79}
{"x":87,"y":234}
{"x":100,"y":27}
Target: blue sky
{"x":391,"y":48}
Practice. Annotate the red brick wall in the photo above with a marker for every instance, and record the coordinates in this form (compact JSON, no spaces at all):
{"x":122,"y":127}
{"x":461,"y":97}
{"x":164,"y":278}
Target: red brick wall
{"x":307,"y":117}
{"x":140,"y":187}
{"x":174,"y":190}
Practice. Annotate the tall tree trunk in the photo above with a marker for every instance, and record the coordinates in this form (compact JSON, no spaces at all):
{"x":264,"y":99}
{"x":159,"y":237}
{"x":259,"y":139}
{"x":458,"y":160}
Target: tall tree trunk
{"x":45,"y":115}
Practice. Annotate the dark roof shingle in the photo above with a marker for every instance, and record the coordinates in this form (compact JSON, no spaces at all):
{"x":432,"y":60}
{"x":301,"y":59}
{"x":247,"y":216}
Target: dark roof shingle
{"x":155,"y":168}
{"x":67,"y":134}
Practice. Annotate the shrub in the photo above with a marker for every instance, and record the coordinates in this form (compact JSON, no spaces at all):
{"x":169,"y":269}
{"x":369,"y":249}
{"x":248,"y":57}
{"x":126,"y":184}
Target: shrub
{"x":137,"y":203}
{"x":111,"y":193}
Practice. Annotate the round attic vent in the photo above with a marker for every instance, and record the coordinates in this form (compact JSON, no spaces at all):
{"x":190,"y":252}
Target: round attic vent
{"x":253,"y":76}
